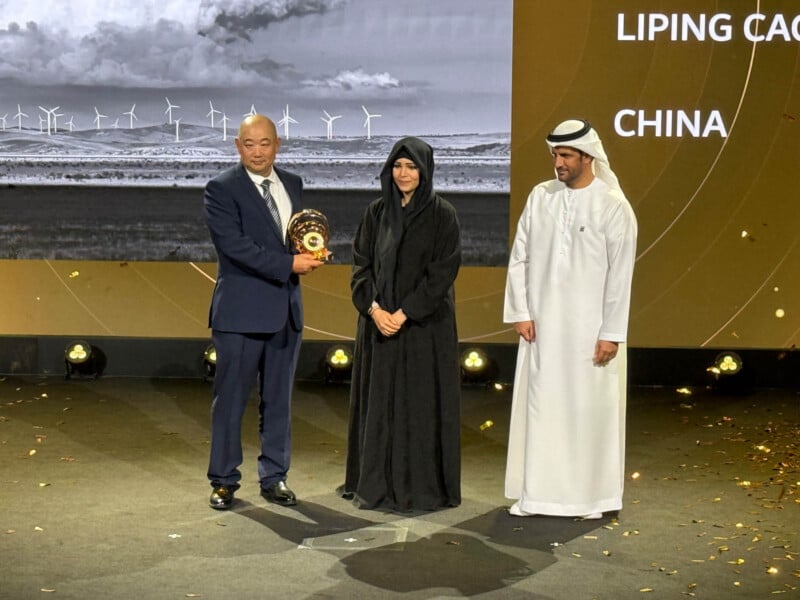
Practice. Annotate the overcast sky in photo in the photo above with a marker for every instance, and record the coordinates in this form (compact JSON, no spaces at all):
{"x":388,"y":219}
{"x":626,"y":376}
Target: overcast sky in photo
{"x":427,"y":67}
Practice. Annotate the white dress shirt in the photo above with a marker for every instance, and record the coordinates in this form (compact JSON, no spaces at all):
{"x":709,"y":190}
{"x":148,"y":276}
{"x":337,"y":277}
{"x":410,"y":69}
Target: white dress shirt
{"x":279,"y":195}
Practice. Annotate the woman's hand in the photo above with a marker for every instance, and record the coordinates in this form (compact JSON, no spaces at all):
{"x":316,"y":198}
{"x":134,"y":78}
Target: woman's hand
{"x":388,"y":323}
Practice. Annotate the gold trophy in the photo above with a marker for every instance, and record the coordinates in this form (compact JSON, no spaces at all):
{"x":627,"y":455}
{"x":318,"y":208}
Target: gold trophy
{"x":308,"y":231}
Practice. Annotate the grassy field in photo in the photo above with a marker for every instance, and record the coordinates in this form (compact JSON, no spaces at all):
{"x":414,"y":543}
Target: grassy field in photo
{"x":166,"y":223}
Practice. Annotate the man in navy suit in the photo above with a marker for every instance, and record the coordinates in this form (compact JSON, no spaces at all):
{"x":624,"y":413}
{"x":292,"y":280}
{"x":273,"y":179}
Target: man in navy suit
{"x":256,"y":316}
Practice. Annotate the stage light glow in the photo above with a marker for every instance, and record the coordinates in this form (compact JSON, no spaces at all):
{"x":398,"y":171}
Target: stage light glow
{"x":477,"y":367}
{"x":210,"y":355}
{"x":728,"y":363}
{"x":339,"y":357}
{"x":210,"y":362}
{"x":474,"y":360}
{"x":727,"y":374}
{"x":78,"y":353}
{"x":81,"y":359}
{"x":338,"y":363}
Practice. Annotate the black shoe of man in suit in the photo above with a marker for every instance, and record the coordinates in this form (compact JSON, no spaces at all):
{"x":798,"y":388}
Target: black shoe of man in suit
{"x":279,"y":493}
{"x":221,"y":498}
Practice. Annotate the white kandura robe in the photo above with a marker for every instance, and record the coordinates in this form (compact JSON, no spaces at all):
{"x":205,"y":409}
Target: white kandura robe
{"x":570,"y":273}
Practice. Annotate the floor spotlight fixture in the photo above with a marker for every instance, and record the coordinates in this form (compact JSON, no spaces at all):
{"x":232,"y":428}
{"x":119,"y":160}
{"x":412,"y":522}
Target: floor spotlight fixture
{"x":338,"y":363}
{"x":726,"y":373}
{"x":81,"y":360}
{"x":476,"y":367}
{"x":210,"y":362}
{"x":726,"y":363}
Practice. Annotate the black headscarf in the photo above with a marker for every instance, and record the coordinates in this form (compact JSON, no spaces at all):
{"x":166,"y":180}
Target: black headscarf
{"x":395,"y":217}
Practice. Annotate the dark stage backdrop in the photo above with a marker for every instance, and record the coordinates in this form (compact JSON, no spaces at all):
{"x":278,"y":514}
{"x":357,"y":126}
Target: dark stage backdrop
{"x":698,"y":105}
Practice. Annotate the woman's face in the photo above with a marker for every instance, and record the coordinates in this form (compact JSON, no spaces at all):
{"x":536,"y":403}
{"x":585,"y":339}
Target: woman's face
{"x":406,"y":176}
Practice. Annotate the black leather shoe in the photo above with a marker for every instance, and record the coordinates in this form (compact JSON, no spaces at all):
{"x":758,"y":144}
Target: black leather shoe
{"x":221,"y":498}
{"x":279,"y":493}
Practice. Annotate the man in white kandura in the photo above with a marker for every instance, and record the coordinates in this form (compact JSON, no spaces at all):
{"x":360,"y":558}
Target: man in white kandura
{"x":568,"y":296}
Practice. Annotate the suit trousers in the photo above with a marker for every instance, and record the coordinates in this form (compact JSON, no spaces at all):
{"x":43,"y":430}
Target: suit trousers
{"x":242,"y":360}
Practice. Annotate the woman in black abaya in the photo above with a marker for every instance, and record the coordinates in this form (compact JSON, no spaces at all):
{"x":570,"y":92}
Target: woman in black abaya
{"x":403,"y":450}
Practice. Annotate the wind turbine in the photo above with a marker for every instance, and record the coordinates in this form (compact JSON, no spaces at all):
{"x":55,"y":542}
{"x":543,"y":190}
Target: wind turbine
{"x":55,"y":119}
{"x":97,"y":118}
{"x":170,"y":106}
{"x":285,"y":122}
{"x":177,"y":130}
{"x":3,"y":119}
{"x":329,"y":120}
{"x":225,"y":120}
{"x":131,"y":115}
{"x":367,"y":122}
{"x":251,"y":112}
{"x":212,"y":112}
{"x":50,"y":113}
{"x":115,"y":125}
{"x":19,"y":116}
{"x":41,"y":121}
{"x":70,"y":123}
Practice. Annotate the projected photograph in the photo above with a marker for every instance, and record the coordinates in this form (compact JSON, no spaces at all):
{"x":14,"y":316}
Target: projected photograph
{"x":113,"y":117}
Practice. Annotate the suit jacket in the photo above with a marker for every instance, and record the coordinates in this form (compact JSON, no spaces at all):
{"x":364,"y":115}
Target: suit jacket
{"x":256,"y":291}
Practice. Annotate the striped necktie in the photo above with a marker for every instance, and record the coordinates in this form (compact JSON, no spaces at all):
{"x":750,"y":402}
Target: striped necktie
{"x":271,"y":205}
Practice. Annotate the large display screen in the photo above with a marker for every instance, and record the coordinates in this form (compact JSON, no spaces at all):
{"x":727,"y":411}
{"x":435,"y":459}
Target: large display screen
{"x":113,"y":116}
{"x":698,"y":106}
{"x":137,"y":106}
{"x":110,"y":128}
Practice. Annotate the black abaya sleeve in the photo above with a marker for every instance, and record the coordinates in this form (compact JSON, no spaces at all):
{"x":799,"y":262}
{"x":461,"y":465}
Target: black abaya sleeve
{"x":362,"y":279}
{"x":441,"y":271}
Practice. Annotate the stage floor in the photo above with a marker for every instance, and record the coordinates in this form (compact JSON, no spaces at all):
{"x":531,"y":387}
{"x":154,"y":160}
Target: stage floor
{"x":104,"y":496}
